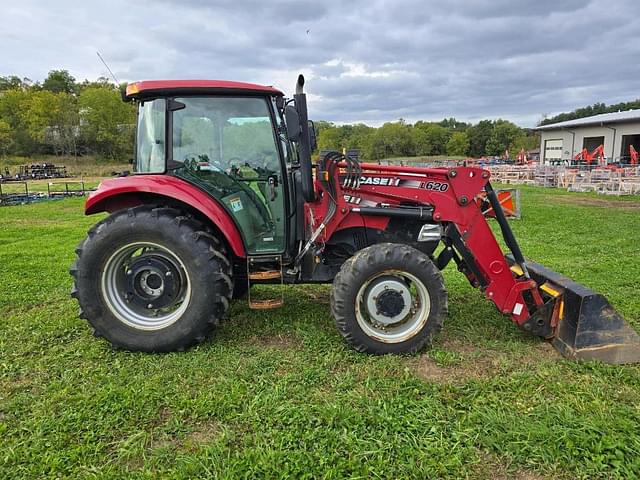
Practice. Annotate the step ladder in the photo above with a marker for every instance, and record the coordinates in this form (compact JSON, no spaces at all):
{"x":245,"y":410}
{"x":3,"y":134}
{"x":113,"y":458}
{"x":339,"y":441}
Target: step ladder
{"x":261,"y":269}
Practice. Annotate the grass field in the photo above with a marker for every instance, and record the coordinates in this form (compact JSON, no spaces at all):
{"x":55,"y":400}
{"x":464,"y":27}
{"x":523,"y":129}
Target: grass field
{"x":279,"y":394}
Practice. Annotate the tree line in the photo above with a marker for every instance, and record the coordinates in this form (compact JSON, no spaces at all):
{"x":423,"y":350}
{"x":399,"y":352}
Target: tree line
{"x":64,"y":117}
{"x":447,"y":137}
{"x":590,"y":110}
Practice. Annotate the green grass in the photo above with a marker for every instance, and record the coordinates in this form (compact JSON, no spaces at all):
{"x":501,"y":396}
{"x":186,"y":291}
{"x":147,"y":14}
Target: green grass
{"x":279,"y":394}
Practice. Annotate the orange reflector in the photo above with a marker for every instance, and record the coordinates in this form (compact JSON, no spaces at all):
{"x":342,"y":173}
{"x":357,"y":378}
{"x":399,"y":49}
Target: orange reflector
{"x":132,"y":89}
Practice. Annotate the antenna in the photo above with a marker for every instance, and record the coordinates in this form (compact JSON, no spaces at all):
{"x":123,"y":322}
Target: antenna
{"x":105,"y":64}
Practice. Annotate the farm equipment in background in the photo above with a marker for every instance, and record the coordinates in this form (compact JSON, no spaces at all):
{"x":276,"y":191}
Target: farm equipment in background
{"x":209,"y":214}
{"x":35,"y":171}
{"x":589,"y":157}
{"x":633,"y":155}
{"x":41,"y":171}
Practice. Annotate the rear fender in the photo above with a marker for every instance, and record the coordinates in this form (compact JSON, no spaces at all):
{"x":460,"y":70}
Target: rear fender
{"x":125,"y":192}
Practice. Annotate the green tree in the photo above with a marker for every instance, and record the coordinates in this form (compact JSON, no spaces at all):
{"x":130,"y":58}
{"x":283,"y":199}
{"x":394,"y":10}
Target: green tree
{"x":478,"y":136}
{"x":37,"y":114}
{"x":12,"y":105}
{"x":453,"y":124}
{"x":60,"y":81}
{"x":458,"y":144}
{"x":106,"y":121}
{"x":359,"y":136}
{"x":430,"y":138}
{"x":526,"y":142}
{"x":6,"y":138}
{"x":504,"y":134}
{"x":101,"y":82}
{"x":330,"y":138}
{"x":51,"y":120}
{"x":392,"y":139}
{"x":10,"y":83}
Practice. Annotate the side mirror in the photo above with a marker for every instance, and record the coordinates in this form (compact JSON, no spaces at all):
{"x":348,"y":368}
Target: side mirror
{"x":313,"y":136}
{"x":292,"y":119}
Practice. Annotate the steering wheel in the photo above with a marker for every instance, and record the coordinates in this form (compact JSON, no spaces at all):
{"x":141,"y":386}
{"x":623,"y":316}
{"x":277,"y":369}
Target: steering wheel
{"x":234,"y":164}
{"x":192,"y":160}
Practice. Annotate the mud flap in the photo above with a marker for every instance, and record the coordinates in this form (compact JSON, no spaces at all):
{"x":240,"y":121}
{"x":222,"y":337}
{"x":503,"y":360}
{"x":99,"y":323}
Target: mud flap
{"x":588,"y":327}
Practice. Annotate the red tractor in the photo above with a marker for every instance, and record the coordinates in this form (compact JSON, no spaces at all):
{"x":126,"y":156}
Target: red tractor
{"x":225,"y":196}
{"x":590,"y":157}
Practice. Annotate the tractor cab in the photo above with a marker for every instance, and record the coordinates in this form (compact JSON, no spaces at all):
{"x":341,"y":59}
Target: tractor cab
{"x":230,"y":140}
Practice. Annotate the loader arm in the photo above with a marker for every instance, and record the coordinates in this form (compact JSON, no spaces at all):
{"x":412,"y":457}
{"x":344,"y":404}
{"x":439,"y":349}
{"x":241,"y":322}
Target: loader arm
{"x":545,"y":304}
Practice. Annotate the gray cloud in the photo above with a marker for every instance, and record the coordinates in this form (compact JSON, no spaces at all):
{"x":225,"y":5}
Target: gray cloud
{"x":370,"y":61}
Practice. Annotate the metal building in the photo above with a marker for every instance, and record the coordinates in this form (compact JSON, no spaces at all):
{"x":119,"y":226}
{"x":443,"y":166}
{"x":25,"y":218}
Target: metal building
{"x":617,"y":132}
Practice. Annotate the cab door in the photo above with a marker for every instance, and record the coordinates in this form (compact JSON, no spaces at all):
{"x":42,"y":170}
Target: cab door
{"x":226,"y":145}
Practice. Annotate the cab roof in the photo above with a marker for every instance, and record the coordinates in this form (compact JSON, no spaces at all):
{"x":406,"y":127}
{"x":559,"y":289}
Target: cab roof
{"x":151,"y":88}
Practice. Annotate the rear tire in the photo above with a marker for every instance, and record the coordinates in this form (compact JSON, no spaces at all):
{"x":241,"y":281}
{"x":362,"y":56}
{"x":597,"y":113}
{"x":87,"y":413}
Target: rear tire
{"x":389,"y":298}
{"x":151,"y":279}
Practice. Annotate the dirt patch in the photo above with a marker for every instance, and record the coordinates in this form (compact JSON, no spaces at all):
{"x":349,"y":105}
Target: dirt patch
{"x":279,"y":341}
{"x":492,"y":468}
{"x":593,"y":202}
{"x":163,"y":416}
{"x":541,"y":351}
{"x":477,"y":363}
{"x":534,"y":353}
{"x":203,"y":432}
{"x":13,"y":385}
{"x":317,"y":297}
{"x":31,"y":222}
{"x":429,"y":370}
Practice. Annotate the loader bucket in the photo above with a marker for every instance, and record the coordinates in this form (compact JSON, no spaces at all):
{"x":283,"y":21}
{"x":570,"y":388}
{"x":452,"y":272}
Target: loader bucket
{"x":588,"y":327}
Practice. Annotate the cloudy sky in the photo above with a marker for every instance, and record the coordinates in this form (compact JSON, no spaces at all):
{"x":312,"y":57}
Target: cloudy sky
{"x":365,"y":61}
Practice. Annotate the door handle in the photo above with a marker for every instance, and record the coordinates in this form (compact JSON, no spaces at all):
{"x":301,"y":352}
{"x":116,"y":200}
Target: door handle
{"x":273,"y":184}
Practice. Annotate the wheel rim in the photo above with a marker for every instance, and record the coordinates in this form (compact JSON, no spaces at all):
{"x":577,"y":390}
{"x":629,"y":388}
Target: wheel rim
{"x":146,"y":286}
{"x":392,"y":306}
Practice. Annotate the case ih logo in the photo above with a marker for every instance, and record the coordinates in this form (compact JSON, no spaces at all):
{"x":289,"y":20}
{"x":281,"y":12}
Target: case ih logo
{"x":383,"y":181}
{"x":397,"y":182}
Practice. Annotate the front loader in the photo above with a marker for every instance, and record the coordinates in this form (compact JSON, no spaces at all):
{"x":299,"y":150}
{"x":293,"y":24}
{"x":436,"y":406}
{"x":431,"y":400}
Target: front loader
{"x":226,"y":196}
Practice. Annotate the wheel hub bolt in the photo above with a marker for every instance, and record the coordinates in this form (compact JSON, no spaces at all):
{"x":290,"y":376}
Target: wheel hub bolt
{"x":150,"y":305}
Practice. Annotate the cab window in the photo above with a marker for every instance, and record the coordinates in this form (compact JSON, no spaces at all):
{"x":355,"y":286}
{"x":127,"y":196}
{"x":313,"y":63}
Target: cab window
{"x":150,"y":144}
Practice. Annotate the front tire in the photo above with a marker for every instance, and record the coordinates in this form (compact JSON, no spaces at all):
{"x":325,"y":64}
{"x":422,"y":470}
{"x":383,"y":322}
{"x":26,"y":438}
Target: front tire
{"x":151,"y":279}
{"x":389,"y":298}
